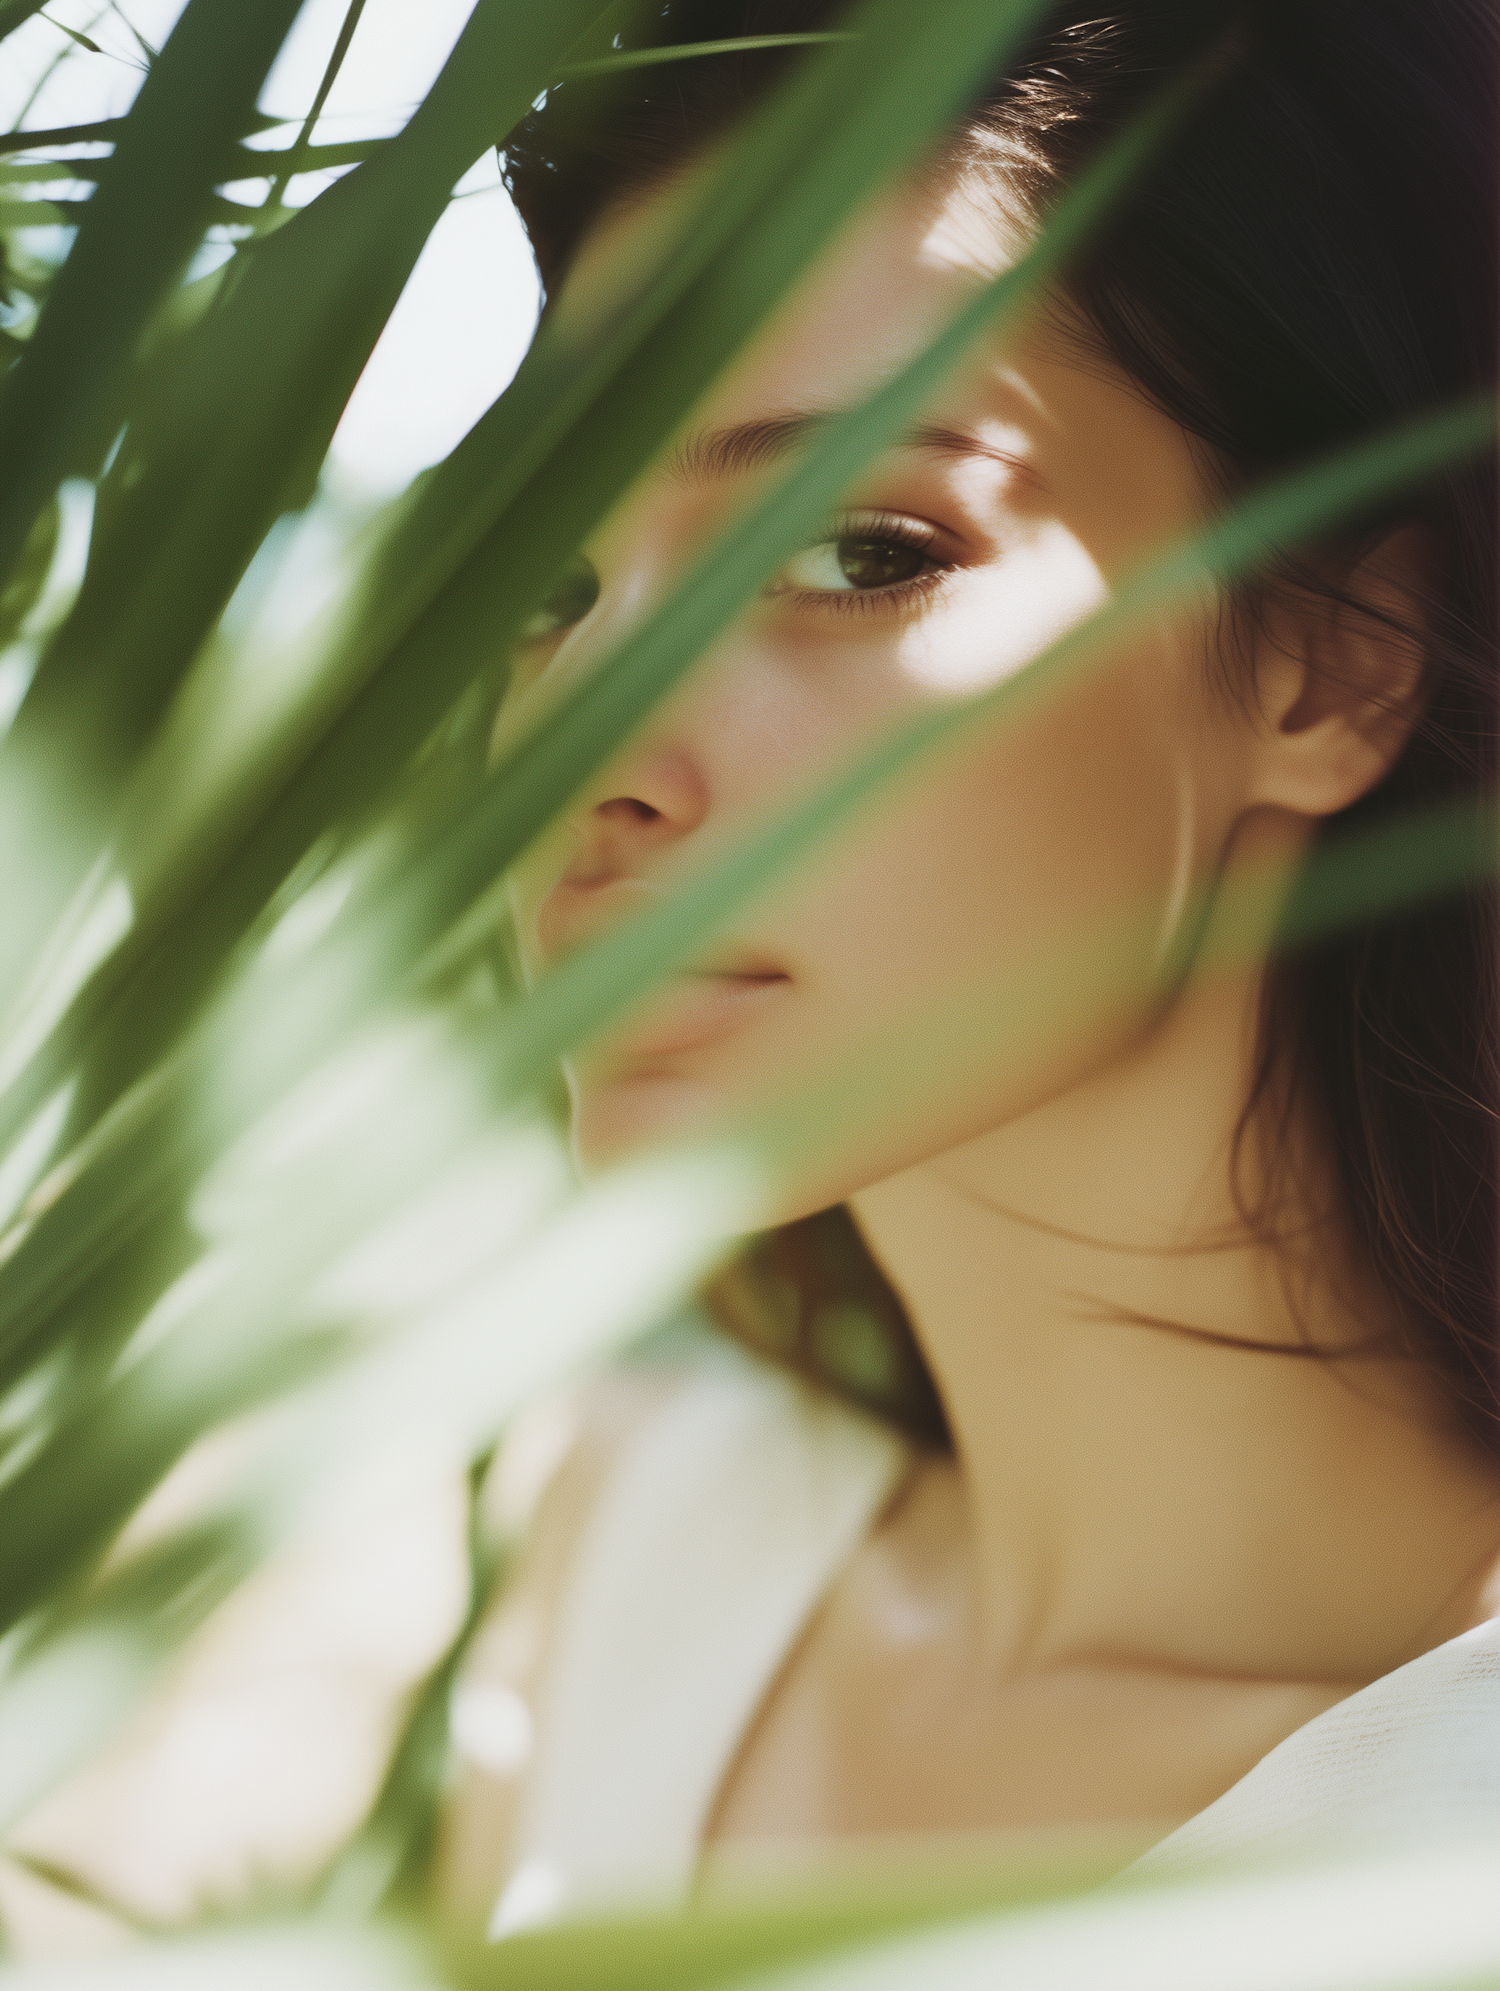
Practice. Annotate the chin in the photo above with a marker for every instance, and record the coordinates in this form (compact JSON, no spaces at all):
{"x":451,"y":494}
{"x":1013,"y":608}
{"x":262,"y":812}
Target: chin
{"x":626,"y":1117}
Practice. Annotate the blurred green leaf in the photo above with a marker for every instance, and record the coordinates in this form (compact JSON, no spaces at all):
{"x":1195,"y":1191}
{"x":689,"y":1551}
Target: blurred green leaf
{"x":102,"y":129}
{"x":724,"y":1942}
{"x":195,"y":1013}
{"x":15,"y":13}
{"x":23,"y":589}
{"x":135,"y":240}
{"x":646,"y":58}
{"x":239,"y":162}
{"x":73,"y":35}
{"x":40,"y":171}
{"x":85,"y":1661}
{"x":491,"y":526}
{"x":594,"y":984}
{"x":134,"y":32}
{"x":230,"y":433}
{"x":299,"y":146}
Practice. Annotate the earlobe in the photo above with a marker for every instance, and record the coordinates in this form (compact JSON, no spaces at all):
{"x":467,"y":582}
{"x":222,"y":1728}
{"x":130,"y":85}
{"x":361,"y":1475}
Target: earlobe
{"x":1341,"y":677}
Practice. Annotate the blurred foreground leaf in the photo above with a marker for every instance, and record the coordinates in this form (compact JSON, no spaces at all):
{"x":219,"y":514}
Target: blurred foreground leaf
{"x":259,"y":1043}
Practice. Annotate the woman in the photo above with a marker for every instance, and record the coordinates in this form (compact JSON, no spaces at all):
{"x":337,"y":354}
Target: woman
{"x":1161,"y":1260}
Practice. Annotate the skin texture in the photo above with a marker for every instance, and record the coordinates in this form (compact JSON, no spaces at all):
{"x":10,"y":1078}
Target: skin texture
{"x":1151,"y":1558}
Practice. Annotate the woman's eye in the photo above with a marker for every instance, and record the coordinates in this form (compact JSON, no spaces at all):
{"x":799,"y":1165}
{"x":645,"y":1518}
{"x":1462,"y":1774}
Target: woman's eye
{"x":568,"y":602}
{"x":855,"y":563}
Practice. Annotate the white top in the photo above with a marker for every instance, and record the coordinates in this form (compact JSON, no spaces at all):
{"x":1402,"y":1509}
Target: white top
{"x":724,"y":1522}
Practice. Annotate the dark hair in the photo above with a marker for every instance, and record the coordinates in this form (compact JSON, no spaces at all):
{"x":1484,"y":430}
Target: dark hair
{"x":1313,"y":258}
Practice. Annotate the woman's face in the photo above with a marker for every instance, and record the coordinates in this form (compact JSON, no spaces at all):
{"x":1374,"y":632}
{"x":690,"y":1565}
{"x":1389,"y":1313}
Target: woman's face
{"x":1035,"y":482}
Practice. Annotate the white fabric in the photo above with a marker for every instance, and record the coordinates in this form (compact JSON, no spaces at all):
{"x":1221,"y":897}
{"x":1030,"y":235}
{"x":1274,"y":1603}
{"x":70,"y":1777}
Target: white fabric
{"x":723,"y":1525}
{"x":717,"y":1533}
{"x":1413,"y":1756}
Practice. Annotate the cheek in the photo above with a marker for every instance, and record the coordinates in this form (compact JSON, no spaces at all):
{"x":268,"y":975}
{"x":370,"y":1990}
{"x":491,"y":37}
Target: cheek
{"x":1071,"y":815}
{"x":1002,"y":620}
{"x":1003,"y":921}
{"x":527,"y":884}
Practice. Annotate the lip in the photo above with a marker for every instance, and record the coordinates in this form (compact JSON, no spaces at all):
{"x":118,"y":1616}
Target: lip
{"x":695,"y":1010}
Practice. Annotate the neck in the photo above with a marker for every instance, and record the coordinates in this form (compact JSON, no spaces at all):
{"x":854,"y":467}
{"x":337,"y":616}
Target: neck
{"x":1141,"y":1495}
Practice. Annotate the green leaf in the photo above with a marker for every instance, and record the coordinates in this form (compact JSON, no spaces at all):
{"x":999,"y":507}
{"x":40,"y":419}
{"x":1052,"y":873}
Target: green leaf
{"x":38,"y":214}
{"x":136,"y":237}
{"x":648,"y":58}
{"x":491,"y":526}
{"x":134,"y":32}
{"x":335,"y":63}
{"x":74,"y":36}
{"x":68,"y":134}
{"x":228,"y":429}
{"x":526,"y":789}
{"x":593,"y":985}
{"x":38,"y":172}
{"x":105,"y":128}
{"x":85,"y":1662}
{"x":15,"y":13}
{"x":1405,"y":1918}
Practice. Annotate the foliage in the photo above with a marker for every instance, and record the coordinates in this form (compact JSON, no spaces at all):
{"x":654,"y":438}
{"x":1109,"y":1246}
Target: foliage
{"x":255,"y":1019}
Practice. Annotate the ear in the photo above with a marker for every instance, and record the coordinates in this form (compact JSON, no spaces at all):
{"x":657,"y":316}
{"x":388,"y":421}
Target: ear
{"x":1339,"y":687}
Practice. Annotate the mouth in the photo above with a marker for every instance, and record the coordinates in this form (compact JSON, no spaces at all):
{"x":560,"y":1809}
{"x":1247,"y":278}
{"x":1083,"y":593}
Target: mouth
{"x":695,"y":1007}
{"x":698,"y":1008}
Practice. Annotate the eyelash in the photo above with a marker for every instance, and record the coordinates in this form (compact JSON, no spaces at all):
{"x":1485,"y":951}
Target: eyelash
{"x":878,"y":528}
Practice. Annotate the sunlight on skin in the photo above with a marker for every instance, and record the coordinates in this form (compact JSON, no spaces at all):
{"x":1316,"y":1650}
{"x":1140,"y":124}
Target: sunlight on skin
{"x":1150,"y":1558}
{"x":1040,"y":483}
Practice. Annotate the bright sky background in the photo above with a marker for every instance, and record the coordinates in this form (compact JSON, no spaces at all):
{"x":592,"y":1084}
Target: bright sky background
{"x":469,"y":310}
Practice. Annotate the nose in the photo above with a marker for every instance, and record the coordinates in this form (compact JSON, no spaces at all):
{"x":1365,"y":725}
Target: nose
{"x":654,"y":791}
{"x":653,"y":798}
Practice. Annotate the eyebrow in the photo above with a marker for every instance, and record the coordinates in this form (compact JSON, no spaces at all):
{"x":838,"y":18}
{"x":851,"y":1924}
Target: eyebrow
{"x":746,"y":446}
